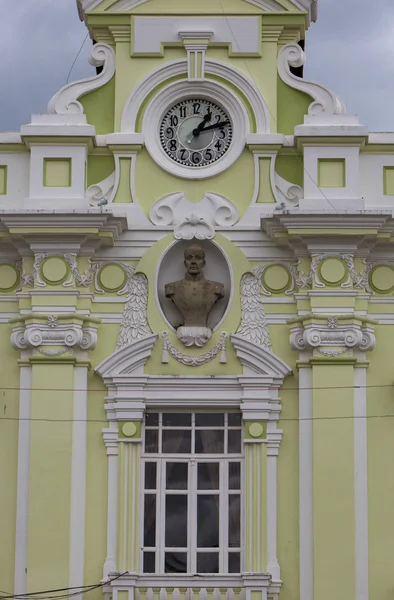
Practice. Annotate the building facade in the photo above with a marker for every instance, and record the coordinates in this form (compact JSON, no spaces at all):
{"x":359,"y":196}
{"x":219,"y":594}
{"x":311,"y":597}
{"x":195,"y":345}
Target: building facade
{"x":196,"y":319}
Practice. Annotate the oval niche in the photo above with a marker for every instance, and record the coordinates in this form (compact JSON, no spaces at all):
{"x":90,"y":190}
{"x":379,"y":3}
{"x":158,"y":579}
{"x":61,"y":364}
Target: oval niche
{"x":171,"y":269}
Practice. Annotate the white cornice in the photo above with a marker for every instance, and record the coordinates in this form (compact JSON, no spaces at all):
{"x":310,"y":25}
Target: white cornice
{"x":267,"y":5}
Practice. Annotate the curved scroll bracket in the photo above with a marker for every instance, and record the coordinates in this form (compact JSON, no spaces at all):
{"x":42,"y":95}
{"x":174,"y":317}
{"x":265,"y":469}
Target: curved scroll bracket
{"x":65,"y":101}
{"x":326,"y":103}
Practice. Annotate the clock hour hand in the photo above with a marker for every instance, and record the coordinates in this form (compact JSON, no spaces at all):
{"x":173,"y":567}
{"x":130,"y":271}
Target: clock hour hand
{"x":215,"y":126}
{"x":196,"y":132}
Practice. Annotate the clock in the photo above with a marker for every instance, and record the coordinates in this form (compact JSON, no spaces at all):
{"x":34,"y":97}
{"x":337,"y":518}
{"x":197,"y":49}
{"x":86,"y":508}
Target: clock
{"x":196,"y":132}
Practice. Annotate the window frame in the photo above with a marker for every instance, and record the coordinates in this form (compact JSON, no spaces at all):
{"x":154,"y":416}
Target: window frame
{"x":192,"y":492}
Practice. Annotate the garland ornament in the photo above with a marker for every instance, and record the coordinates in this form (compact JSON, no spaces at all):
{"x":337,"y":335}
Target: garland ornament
{"x":194,"y":361}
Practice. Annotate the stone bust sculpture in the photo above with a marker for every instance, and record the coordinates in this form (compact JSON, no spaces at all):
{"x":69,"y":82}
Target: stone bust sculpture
{"x":194,"y":297}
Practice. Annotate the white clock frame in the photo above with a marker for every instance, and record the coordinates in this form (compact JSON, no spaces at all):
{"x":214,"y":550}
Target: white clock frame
{"x":183,"y":90}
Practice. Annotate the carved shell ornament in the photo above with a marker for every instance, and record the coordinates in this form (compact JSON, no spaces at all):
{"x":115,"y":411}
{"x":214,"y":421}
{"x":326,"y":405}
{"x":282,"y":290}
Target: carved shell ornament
{"x":194,"y":219}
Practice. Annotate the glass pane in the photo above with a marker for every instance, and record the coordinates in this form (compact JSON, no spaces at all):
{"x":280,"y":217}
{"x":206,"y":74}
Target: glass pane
{"x":234,"y":562}
{"x":177,"y":441}
{"x":234,"y":419}
{"x":151,"y":419}
{"x":208,"y":476}
{"x":150,"y":520}
{"x":151,"y":440}
{"x":210,"y":420}
{"x":234,"y":521}
{"x":176,"y":521}
{"x":176,"y":476}
{"x":177,"y":420}
{"x":149,"y":562}
{"x":208,"y":521}
{"x":209,"y":442}
{"x":150,"y":475}
{"x":234,"y":476}
{"x":234,"y":441}
{"x":207,"y":562}
{"x":175,"y":562}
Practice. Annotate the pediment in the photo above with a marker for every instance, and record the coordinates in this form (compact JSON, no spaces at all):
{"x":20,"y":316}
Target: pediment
{"x":155,"y":7}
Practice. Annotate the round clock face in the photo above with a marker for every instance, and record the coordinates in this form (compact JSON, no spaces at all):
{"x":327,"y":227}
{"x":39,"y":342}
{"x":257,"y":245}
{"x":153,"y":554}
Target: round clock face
{"x":196,"y":132}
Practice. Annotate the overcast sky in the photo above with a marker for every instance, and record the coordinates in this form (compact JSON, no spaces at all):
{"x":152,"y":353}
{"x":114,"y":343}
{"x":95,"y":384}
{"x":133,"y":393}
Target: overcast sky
{"x":350,"y":50}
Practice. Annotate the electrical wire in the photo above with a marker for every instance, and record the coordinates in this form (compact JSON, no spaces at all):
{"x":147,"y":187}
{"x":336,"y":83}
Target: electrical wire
{"x":125,"y":389}
{"x":76,"y":58}
{"x":293,"y":419}
{"x":272,"y":115}
{"x":83,"y":589}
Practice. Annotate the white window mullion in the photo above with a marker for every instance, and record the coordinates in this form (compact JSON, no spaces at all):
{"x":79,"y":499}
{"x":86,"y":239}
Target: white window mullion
{"x":192,"y":516}
{"x":223,"y":517}
{"x":161,"y":514}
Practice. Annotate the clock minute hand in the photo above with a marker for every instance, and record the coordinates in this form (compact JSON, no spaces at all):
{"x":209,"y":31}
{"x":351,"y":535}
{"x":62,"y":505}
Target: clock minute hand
{"x":215,"y":126}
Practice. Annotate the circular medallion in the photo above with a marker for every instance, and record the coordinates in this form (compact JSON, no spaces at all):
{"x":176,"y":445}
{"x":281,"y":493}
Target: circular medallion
{"x":276,"y":279}
{"x":54,"y":270}
{"x":381,"y":279}
{"x":129,"y":429}
{"x":196,"y":132}
{"x":332,"y":271}
{"x":112,"y":278}
{"x":9,"y":278}
{"x":256,"y":430}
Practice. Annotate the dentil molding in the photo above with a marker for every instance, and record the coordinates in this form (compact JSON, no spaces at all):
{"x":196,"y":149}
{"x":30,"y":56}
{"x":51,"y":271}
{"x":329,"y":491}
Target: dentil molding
{"x":54,"y":332}
{"x":194,"y":219}
{"x":330,"y":338}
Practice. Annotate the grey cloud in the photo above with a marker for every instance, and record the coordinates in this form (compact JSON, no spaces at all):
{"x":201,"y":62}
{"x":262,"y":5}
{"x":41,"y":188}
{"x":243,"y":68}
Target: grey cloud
{"x":350,"y":50}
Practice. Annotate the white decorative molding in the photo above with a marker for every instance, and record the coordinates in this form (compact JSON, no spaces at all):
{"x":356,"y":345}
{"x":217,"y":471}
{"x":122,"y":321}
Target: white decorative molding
{"x":196,"y":45}
{"x":179,"y":68}
{"x":215,"y":92}
{"x":135,"y":325}
{"x":194,"y":361}
{"x":326,"y":104}
{"x":257,"y":359}
{"x":253,"y":326}
{"x":194,"y":219}
{"x":81,"y":279}
{"x":274,"y":439}
{"x":298,"y":278}
{"x":53,"y":333}
{"x":287,"y":192}
{"x":23,"y":478}
{"x":102,"y":190}
{"x":332,"y":339}
{"x":306,"y":526}
{"x":194,"y":336}
{"x":65,"y":101}
{"x":94,"y":272}
{"x":78,"y":477}
{"x":34,"y":277}
{"x":240,"y":33}
{"x":361,"y":484}
{"x":128,"y":360}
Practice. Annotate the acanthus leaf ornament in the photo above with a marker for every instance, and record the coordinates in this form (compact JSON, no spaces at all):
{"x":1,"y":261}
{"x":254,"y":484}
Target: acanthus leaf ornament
{"x":253,"y":326}
{"x":134,"y":324}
